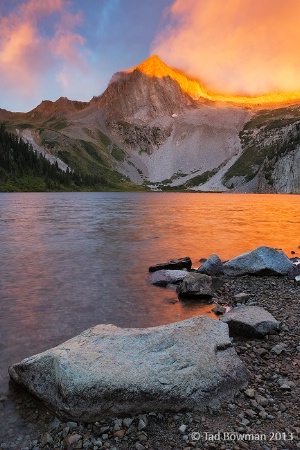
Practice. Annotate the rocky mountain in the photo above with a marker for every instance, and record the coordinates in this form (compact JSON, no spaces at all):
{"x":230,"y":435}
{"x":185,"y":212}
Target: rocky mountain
{"x":157,"y":128}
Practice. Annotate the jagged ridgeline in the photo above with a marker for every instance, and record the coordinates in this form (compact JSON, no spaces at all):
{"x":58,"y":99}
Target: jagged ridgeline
{"x":24,"y":169}
{"x":155,"y":128}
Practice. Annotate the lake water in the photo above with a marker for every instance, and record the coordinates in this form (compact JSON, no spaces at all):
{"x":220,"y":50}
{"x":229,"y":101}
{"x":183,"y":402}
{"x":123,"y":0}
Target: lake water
{"x":70,"y":261}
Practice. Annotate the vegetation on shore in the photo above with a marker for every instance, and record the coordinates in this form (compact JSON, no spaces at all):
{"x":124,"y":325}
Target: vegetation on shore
{"x":22,"y":169}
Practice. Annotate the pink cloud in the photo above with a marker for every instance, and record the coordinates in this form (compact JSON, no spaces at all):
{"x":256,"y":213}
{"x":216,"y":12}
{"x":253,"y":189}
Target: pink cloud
{"x":27,"y":56}
{"x":238,"y":46}
{"x":65,"y":44}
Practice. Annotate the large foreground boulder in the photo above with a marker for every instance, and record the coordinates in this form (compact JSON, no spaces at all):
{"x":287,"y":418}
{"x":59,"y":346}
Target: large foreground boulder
{"x":108,"y":371}
{"x":250,"y":321}
{"x":261,"y":261}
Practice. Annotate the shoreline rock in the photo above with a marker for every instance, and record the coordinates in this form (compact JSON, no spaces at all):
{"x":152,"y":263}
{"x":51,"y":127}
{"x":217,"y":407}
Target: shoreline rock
{"x":261,"y":261}
{"x":212,"y":266}
{"x":250,"y":321}
{"x":163,"y":278}
{"x":196,"y":286}
{"x":108,"y":371}
{"x":173,"y":264}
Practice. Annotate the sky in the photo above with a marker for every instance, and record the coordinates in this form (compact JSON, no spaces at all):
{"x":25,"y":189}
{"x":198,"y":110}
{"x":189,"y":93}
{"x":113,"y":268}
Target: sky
{"x":71,"y":48}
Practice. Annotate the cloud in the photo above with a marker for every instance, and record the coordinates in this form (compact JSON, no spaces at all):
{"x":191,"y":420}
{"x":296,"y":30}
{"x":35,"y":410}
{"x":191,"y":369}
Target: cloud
{"x":37,"y":41}
{"x":235,"y":46}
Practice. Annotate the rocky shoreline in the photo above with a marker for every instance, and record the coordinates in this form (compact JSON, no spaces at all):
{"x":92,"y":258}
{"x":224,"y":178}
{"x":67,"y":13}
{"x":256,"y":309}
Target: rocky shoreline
{"x":265,"y":415}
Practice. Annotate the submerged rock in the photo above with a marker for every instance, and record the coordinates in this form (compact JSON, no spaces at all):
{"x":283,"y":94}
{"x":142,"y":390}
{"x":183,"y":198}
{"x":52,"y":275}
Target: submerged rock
{"x":250,"y":321}
{"x":173,"y":264}
{"x":218,"y":309}
{"x":212,"y":266}
{"x":165,"y":277}
{"x":196,"y":286}
{"x":261,"y":261}
{"x":108,"y":371}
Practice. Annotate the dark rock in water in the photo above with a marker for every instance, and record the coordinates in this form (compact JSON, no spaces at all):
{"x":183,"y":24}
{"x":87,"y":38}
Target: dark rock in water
{"x":173,"y":264}
{"x":196,"y":286}
{"x":218,"y":309}
{"x":108,"y":371}
{"x":250,"y":321}
{"x":261,"y":261}
{"x":213,"y":266}
{"x":164,"y":277}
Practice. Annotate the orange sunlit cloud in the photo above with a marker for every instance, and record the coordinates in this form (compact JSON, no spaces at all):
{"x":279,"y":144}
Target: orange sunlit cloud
{"x":26,"y":55}
{"x":246,"y":47}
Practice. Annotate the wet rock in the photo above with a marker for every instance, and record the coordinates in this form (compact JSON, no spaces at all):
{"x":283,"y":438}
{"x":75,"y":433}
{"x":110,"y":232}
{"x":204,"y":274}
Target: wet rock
{"x":182,"y":429}
{"x":213,"y":266}
{"x":279,"y":348}
{"x":164,"y":277}
{"x":119,"y":434}
{"x":250,"y":413}
{"x":250,"y":321}
{"x":297,"y":279}
{"x":127,"y":422}
{"x":117,"y":424}
{"x":142,"y":425}
{"x":261,"y":261}
{"x":241,"y":297}
{"x":173,"y":264}
{"x":103,"y":372}
{"x":196,"y":286}
{"x":46,"y":439}
{"x":139,"y":446}
{"x":261,"y":400}
{"x":218,"y":309}
{"x":250,"y":392}
{"x":73,"y":441}
{"x":285,"y":384}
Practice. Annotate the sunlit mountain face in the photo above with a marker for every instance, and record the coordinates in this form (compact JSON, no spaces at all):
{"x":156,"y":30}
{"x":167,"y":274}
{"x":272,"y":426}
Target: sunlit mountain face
{"x":156,"y":127}
{"x":154,"y":67}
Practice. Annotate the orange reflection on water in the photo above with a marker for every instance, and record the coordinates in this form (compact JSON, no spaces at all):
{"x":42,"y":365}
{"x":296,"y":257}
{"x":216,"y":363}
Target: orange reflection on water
{"x":227,"y":224}
{"x":74,"y":260}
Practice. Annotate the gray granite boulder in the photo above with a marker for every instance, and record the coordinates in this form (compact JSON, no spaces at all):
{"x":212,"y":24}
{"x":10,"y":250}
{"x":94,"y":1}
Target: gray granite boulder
{"x":250,"y":321}
{"x":108,"y":371}
{"x":212,"y":266}
{"x":261,"y":261}
{"x":196,"y":286}
{"x":165,"y":277}
{"x":173,"y":264}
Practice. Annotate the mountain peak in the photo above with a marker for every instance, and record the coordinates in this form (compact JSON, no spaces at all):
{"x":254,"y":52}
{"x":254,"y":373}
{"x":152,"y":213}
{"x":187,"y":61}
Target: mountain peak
{"x":155,"y":67}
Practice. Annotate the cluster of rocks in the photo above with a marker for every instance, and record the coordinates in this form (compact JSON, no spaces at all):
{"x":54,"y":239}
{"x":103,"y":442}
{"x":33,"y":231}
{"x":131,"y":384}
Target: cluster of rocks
{"x":203,"y":283}
{"x":181,"y":358}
